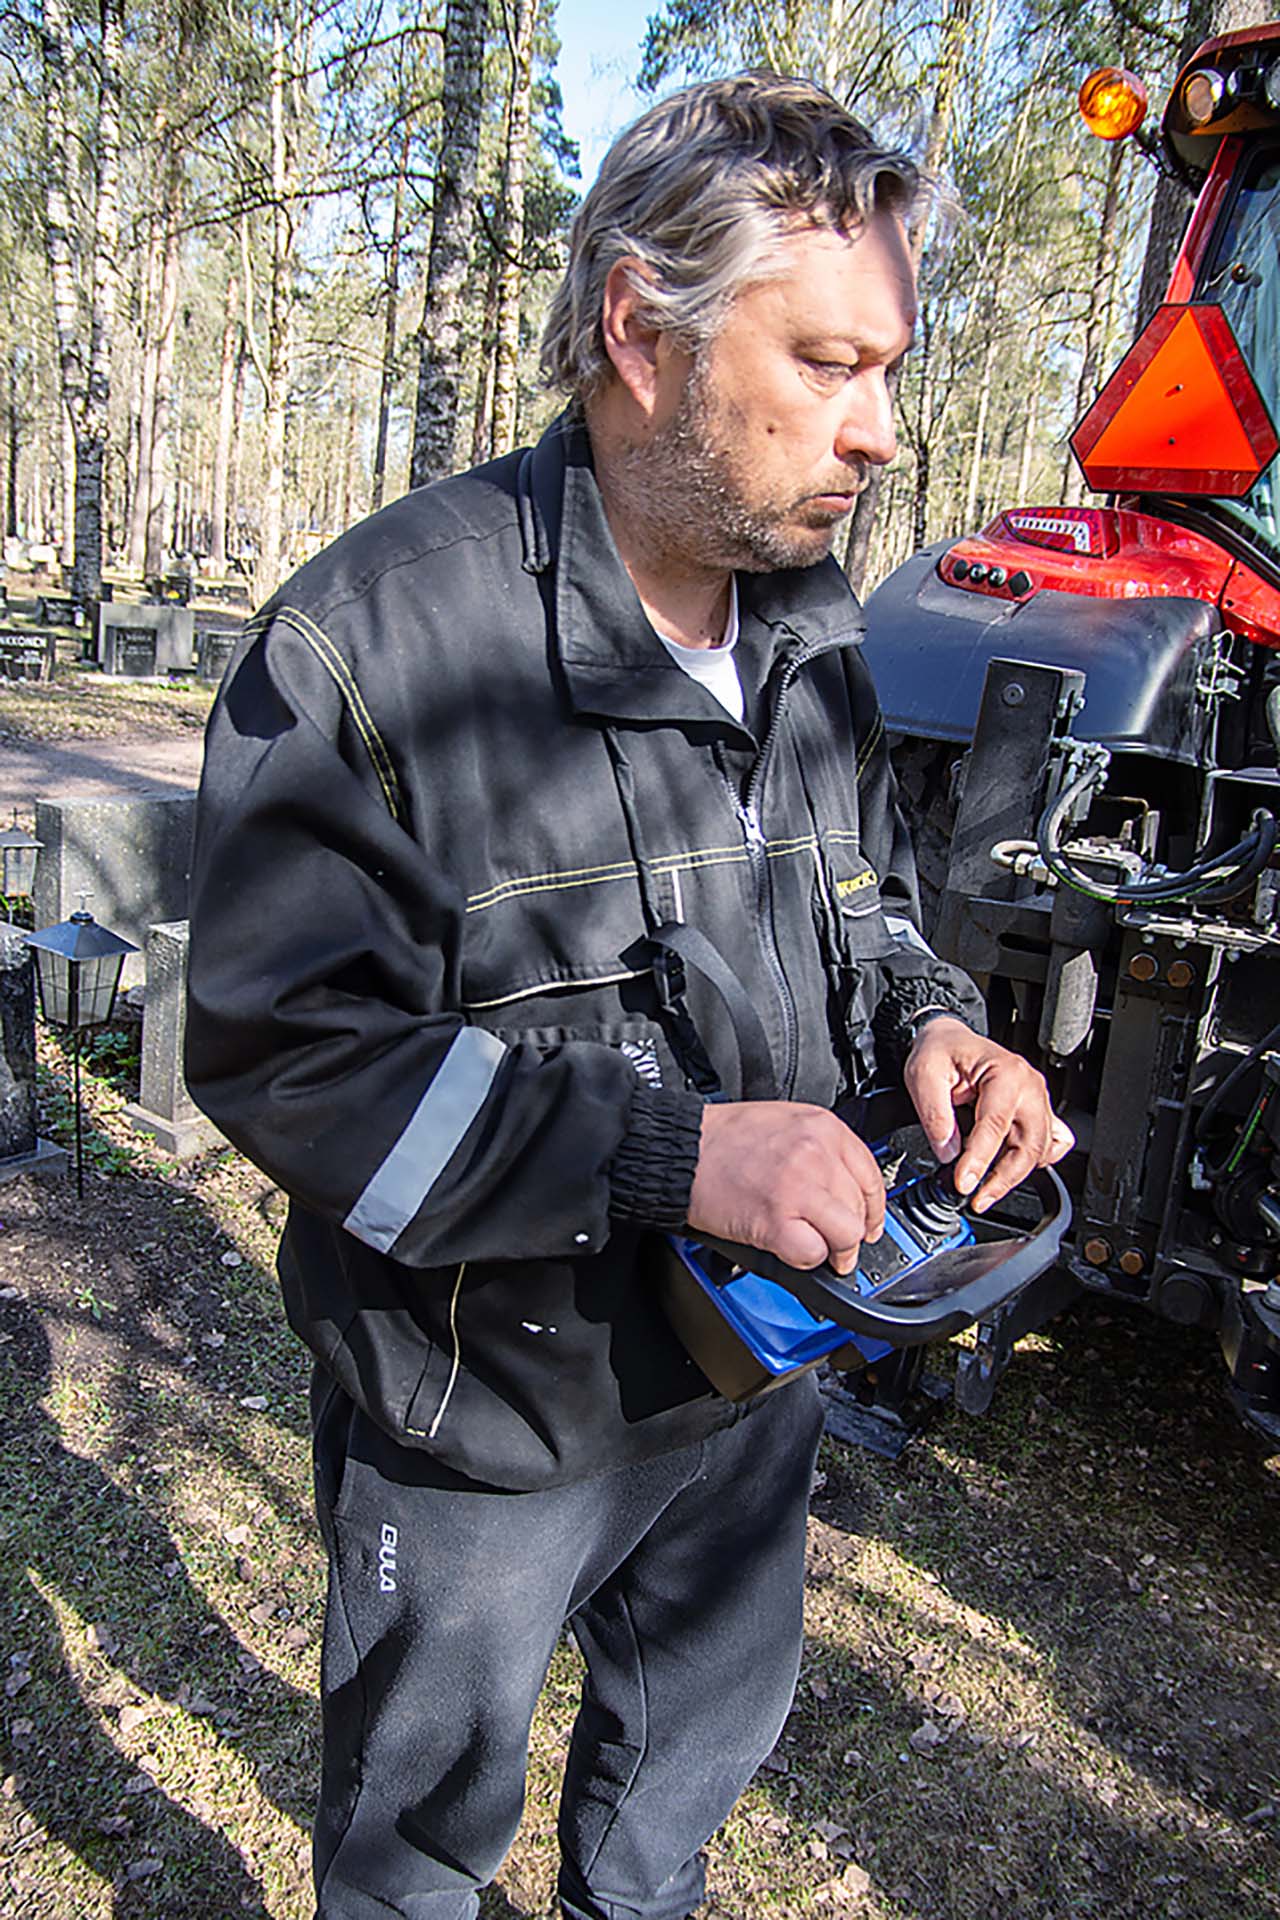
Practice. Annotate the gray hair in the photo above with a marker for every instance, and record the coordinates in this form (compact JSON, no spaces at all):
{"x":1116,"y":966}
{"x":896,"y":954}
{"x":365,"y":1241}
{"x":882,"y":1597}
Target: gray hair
{"x":701,"y":191}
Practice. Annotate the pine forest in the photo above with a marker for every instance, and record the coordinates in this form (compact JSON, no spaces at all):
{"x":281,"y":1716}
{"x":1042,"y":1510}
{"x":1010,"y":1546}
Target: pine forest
{"x":266,"y":264}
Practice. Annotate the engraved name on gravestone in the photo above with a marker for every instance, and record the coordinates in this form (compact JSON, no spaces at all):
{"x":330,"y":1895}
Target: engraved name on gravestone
{"x":25,"y":655}
{"x":134,"y":652}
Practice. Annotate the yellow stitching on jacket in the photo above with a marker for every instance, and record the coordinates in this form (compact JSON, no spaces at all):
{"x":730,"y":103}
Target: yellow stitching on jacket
{"x":616,"y":870}
{"x":667,"y":863}
{"x":869,"y":744}
{"x":329,"y":657}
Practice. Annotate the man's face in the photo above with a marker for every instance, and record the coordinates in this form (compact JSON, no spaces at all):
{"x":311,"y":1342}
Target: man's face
{"x":770,"y":434}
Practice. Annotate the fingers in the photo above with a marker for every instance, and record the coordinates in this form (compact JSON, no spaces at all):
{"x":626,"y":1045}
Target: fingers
{"x":1015,"y":1129}
{"x":1013,"y":1133}
{"x":930,"y":1081}
{"x":788,"y":1178}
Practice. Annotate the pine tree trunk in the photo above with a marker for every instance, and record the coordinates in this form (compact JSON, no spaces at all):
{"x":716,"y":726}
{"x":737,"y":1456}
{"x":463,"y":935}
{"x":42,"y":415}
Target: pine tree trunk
{"x":974,"y":486}
{"x":279,"y":361}
{"x":440,"y":341}
{"x":1106,"y":262}
{"x":955,"y":30}
{"x":84,"y":363}
{"x":91,"y":435}
{"x":140,"y":498}
{"x":13,"y":425}
{"x":161,"y":461}
{"x":346,"y":513}
{"x":67,"y":494}
{"x":235,"y":488}
{"x":1030,"y":429}
{"x":386,"y":383}
{"x":226,"y":423}
{"x":506,"y":348}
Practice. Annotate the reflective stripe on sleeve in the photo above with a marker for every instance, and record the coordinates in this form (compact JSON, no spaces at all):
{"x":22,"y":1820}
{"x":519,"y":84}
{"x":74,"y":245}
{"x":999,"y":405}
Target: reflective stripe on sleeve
{"x":435,"y":1130}
{"x":907,"y":934}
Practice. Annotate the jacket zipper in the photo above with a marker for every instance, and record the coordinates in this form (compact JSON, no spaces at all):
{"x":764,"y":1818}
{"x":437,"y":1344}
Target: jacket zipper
{"x":747,"y":808}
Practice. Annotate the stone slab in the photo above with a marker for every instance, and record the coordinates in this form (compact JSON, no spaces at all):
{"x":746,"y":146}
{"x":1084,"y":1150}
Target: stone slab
{"x":46,"y":1161}
{"x":181,"y":1139}
{"x":164,"y":1026}
{"x":131,"y":854}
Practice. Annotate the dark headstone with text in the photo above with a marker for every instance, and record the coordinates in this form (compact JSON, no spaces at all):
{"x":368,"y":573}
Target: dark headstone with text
{"x":139,"y":642}
{"x":132,"y":652}
{"x":59,"y":610}
{"x":25,"y":655}
{"x":214,"y":649}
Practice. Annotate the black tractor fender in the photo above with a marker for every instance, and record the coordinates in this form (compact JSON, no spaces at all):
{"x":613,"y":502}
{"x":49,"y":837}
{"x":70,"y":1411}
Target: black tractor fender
{"x":928,"y":645}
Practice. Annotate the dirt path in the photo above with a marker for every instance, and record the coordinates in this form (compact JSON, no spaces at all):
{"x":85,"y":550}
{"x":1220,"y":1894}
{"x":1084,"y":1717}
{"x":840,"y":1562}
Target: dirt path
{"x":33,"y":770}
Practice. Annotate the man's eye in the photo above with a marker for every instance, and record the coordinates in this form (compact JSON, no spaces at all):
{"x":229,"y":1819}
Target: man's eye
{"x":832,"y":371}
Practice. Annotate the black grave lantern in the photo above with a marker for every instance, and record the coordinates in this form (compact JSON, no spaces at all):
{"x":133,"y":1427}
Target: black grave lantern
{"x":78,"y":967}
{"x":18,"y":854}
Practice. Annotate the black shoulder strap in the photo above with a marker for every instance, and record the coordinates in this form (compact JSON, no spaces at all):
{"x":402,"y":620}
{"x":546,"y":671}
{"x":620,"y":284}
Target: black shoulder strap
{"x":675,"y":946}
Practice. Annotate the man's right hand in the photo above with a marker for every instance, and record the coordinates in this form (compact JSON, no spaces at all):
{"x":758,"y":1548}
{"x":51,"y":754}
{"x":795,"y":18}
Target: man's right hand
{"x":789,"y":1178}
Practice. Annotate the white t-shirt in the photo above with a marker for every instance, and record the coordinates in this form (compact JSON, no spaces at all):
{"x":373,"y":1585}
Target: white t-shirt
{"x":714,"y":667}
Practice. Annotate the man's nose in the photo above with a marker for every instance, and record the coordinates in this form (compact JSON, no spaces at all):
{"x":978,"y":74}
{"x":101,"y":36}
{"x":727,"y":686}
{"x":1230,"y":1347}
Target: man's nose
{"x":867,"y":425}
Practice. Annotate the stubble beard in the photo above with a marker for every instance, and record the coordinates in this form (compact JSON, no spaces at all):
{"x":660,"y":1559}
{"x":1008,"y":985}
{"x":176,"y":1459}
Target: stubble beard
{"x":695,"y":499}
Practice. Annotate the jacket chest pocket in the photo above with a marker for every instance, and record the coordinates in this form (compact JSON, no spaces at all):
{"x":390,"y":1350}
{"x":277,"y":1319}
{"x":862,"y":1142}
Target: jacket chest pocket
{"x":856,"y":939}
{"x":562,"y":932}
{"x":850,"y":906}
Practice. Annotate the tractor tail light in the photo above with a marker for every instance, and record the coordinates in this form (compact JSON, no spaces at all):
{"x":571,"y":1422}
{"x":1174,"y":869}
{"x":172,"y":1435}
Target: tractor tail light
{"x":1084,"y":530}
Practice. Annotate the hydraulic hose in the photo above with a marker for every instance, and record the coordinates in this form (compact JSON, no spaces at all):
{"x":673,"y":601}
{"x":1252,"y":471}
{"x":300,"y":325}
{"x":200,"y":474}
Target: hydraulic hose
{"x":1209,"y":881}
{"x":1233,"y":1079}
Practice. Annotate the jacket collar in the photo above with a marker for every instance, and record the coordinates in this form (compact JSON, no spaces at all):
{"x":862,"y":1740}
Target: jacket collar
{"x":612,"y":663}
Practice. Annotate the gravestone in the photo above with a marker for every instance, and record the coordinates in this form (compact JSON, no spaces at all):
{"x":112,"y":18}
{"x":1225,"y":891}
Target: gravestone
{"x":226,"y":593}
{"x":21,"y":1150}
{"x":59,"y":610}
{"x":131,"y":854}
{"x":214,"y":648}
{"x":164,"y":1109}
{"x":145,"y":643}
{"x":25,"y":655}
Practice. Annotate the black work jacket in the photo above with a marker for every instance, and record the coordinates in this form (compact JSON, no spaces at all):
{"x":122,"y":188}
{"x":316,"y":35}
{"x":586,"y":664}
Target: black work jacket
{"x":452,"y":781}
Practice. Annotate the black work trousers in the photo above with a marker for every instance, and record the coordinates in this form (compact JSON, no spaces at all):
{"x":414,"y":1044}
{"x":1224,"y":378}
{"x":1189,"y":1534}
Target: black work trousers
{"x":681,"y":1580}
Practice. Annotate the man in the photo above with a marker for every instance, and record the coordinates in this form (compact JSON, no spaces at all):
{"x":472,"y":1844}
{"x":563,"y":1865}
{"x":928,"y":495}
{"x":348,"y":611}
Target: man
{"x":473,"y":773}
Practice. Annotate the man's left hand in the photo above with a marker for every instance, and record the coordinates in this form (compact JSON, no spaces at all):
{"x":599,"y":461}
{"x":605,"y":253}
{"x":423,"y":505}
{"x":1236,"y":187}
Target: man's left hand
{"x":1014,"y":1129}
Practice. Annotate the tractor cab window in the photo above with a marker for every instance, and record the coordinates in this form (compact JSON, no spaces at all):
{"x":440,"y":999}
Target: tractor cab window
{"x":1243,"y":277}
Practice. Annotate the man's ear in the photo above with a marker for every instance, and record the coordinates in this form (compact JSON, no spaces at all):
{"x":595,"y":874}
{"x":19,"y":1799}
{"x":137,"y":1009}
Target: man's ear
{"x":634,"y":345}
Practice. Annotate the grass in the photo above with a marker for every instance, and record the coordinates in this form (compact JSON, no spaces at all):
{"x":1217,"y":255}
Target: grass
{"x":1042,"y":1667}
{"x":80,"y":705}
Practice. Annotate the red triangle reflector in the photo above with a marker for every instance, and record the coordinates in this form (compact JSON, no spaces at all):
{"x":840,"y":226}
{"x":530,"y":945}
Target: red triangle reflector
{"x":1180,"y":414}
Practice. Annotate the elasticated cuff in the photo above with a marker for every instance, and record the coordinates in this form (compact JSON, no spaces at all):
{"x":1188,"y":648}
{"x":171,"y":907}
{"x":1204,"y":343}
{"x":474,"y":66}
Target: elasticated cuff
{"x":909,"y":1003}
{"x":651,"y":1174}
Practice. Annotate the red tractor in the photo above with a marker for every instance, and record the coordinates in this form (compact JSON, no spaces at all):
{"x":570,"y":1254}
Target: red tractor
{"x":1086,"y":704}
